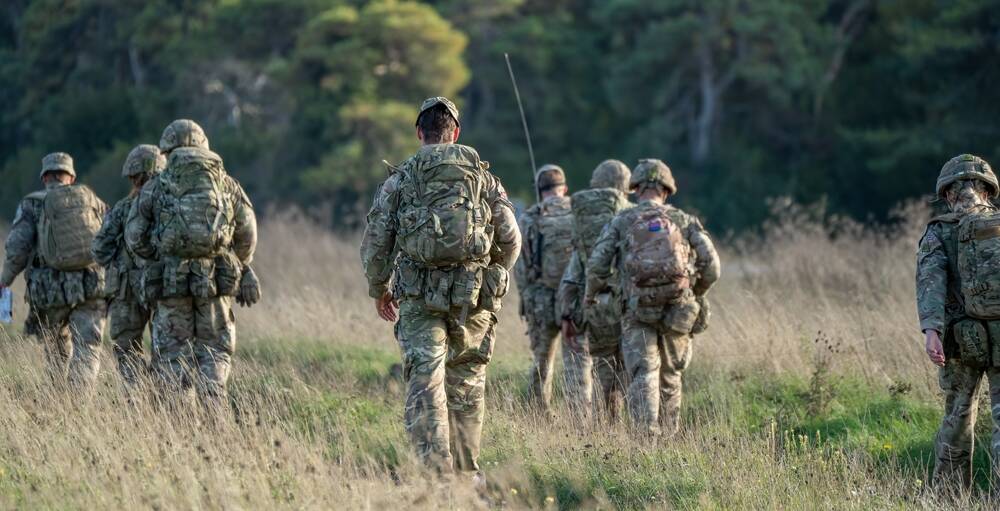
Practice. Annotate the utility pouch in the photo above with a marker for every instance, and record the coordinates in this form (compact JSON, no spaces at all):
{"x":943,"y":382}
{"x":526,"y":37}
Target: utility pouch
{"x":465,"y":287}
{"x":438,"y":295}
{"x":651,"y":315}
{"x":94,"y":285}
{"x":202,"y":278}
{"x":38,"y":294}
{"x":681,"y":317}
{"x":73,"y":289}
{"x":152,"y":282}
{"x":409,"y":281}
{"x":228,"y":270}
{"x":176,"y":276}
{"x":973,"y":343}
{"x":496,"y":282}
{"x":604,"y":318}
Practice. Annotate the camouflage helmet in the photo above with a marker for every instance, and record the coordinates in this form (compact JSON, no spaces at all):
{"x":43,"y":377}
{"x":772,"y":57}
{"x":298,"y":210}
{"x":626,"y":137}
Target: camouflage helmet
{"x":61,"y":162}
{"x":183,"y":133}
{"x":549,"y":176}
{"x":967,"y":166}
{"x":611,"y":174}
{"x":144,"y":159}
{"x":439,"y":100}
{"x":651,"y":170}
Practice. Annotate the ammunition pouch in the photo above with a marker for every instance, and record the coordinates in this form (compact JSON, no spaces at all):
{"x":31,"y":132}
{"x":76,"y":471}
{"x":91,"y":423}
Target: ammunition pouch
{"x":442,"y":289}
{"x":976,"y":344}
{"x":50,"y":288}
{"x":496,"y":282}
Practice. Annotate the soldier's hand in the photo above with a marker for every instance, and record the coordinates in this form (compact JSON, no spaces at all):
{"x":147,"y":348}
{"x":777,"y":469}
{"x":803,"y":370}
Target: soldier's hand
{"x":569,"y":333}
{"x":935,"y":350}
{"x":386,"y":307}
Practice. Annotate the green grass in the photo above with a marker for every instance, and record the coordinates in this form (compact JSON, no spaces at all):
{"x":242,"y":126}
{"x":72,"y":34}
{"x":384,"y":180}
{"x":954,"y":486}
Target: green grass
{"x":347,"y":397}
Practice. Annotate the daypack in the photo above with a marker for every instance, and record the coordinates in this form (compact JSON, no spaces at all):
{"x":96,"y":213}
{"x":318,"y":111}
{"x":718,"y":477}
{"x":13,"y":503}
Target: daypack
{"x":979,"y":264}
{"x":70,"y":219}
{"x":656,"y":259}
{"x":554,"y":241}
{"x":196,"y":217}
{"x":444,"y":219}
{"x":592,"y":210}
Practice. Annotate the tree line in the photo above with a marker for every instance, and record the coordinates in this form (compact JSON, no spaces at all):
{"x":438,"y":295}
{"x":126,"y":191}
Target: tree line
{"x":856,"y":102}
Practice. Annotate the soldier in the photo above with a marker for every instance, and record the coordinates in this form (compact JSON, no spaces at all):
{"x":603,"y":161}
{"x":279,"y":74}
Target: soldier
{"x":667,"y":264}
{"x":547,"y":228}
{"x":50,"y":241}
{"x":601,"y":322}
{"x":442,"y":224}
{"x":958,"y":303}
{"x":196,"y":226}
{"x":127,"y":313}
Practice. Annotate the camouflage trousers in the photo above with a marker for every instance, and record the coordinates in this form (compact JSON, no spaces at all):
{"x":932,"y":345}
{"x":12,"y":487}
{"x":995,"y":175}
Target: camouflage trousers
{"x":72,"y":339}
{"x":955,"y":441}
{"x":127,"y":320}
{"x":444,"y":366}
{"x":609,"y":369}
{"x":193,"y":344}
{"x":544,"y":333}
{"x":655,"y":357}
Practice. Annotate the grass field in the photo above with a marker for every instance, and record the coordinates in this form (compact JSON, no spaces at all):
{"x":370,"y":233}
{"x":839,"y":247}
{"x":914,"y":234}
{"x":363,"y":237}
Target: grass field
{"x":809,"y":391}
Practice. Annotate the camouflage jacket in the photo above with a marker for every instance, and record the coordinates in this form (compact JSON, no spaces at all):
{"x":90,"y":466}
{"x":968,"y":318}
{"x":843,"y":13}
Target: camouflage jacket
{"x":143,"y":221}
{"x":110,"y":249}
{"x":939,"y":287}
{"x":22,"y":240}
{"x":526,"y":270}
{"x":609,"y":252}
{"x":379,"y":250}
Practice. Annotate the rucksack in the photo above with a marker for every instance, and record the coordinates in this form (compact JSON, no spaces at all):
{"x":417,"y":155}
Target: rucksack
{"x":70,"y":219}
{"x":553,"y":245}
{"x":979,"y":264}
{"x":656,"y":259}
{"x":592,"y":210}
{"x":444,"y":219}
{"x":196,"y":216}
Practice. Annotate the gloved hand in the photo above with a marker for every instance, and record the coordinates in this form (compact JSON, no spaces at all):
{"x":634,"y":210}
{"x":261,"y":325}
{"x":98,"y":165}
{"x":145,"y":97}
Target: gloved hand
{"x":249,"y":288}
{"x":704,"y":315}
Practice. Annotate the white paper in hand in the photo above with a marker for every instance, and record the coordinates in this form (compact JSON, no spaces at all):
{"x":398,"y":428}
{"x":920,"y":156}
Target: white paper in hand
{"x":6,"y":306}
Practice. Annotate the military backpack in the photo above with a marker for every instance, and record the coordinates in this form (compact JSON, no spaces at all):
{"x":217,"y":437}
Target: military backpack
{"x":592,"y":210}
{"x":552,"y":241}
{"x":979,"y":264}
{"x":70,"y":219}
{"x":444,"y":217}
{"x":196,"y":216}
{"x":656,"y":260}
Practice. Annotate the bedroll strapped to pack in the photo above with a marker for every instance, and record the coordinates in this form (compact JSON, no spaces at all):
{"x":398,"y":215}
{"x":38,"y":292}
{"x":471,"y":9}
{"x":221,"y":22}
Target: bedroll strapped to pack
{"x":70,"y":219}
{"x":444,"y":219}
{"x":196,"y":219}
{"x":656,"y":262}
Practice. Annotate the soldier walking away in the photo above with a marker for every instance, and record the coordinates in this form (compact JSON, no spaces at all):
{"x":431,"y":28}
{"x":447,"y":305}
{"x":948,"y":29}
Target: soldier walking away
{"x":127,"y":314}
{"x":442,"y":224}
{"x":595,"y":329}
{"x":50,"y":242}
{"x":958,"y":303}
{"x":667,"y":263}
{"x":547,"y":228}
{"x":196,"y":226}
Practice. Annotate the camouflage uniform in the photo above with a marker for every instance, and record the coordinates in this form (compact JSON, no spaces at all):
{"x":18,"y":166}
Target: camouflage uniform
{"x":193,"y":326}
{"x":444,"y":357}
{"x":656,"y":349}
{"x":941,"y":307}
{"x":127,"y":314}
{"x":600,"y":339}
{"x":67,"y":308}
{"x":538,"y":304}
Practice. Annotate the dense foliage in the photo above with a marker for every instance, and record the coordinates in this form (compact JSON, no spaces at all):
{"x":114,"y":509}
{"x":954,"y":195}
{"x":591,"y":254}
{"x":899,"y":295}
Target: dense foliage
{"x":855,"y":101}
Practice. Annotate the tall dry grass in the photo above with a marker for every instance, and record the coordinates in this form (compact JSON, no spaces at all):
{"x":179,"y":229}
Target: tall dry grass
{"x":316,"y":418}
